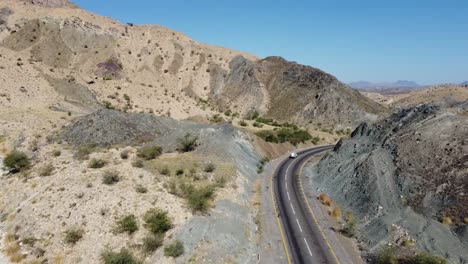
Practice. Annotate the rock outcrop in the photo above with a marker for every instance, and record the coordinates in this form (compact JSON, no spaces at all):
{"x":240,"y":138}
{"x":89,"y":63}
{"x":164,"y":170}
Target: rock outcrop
{"x":409,"y":170}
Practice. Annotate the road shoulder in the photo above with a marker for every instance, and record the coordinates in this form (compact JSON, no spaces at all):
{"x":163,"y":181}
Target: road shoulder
{"x":345,"y":248}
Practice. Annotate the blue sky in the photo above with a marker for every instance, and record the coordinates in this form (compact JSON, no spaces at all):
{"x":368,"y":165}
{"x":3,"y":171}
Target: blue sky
{"x":375,"y":40}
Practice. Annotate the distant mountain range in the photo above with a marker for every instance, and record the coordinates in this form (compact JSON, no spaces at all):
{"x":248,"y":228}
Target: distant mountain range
{"x":464,"y":83}
{"x":400,"y":85}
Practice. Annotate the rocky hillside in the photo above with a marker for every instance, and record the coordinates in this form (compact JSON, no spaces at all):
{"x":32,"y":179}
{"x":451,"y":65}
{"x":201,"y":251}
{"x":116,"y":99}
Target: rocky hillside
{"x":53,"y":45}
{"x":410,"y":171}
{"x":445,"y":95}
{"x":288,"y":91}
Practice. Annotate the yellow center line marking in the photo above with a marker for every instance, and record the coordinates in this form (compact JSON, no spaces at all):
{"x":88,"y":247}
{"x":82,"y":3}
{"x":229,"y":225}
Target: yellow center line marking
{"x":312,"y":212}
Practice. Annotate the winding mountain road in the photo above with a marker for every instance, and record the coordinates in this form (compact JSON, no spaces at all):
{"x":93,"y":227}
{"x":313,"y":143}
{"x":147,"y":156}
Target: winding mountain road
{"x":303,"y":238}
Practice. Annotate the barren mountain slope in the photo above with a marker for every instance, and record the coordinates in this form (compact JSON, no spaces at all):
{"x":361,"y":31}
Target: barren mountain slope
{"x":154,"y":69}
{"x":408,"y":170}
{"x":288,"y":91}
{"x":441,"y":94}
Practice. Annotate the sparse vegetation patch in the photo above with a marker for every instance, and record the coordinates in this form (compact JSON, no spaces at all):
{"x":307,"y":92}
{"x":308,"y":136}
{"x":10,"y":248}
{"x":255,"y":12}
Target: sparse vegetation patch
{"x":16,"y":161}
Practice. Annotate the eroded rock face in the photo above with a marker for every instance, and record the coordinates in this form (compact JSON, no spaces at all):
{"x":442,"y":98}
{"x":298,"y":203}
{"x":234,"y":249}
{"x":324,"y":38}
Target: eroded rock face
{"x":288,"y":91}
{"x":411,"y":165}
{"x":51,"y":3}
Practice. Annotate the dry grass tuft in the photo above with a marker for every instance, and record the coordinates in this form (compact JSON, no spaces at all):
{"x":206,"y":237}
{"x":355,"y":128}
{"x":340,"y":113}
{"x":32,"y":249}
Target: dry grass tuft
{"x":325,"y":200}
{"x":336,"y":213}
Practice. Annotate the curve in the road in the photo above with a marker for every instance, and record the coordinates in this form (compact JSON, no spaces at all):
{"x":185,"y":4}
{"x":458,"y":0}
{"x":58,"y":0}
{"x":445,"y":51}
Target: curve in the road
{"x":303,"y":240}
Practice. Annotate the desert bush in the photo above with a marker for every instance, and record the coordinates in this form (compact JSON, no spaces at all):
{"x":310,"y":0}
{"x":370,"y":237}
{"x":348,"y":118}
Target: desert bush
{"x":198,"y":198}
{"x":56,"y":153}
{"x":216,"y":118}
{"x":73,"y":235}
{"x":46,"y":170}
{"x":349,"y":228}
{"x":264,"y":120}
{"x":220,"y":181}
{"x":174,"y":249}
{"x":268,"y":136}
{"x":315,"y":140}
{"x":152,"y":242}
{"x":141,"y":189}
{"x":179,"y":172}
{"x":209,"y":167}
{"x":157,"y":221}
{"x":108,"y":104}
{"x":325,"y":200}
{"x":16,"y":161}
{"x":96,"y":163}
{"x":149,"y":152}
{"x":138,"y":163}
{"x":426,"y":258}
{"x":243,"y":123}
{"x":124,"y":256}
{"x":124,"y":154}
{"x":165,"y":171}
{"x":446,"y":220}
{"x":110,"y":177}
{"x":187,"y":143}
{"x":82,"y":153}
{"x":257,"y":124}
{"x":336,"y":213}
{"x":294,"y":136}
{"x":387,"y":256}
{"x":127,"y":224}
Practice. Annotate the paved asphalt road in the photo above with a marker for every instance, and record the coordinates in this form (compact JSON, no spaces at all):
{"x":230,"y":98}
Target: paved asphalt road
{"x":305,"y":242}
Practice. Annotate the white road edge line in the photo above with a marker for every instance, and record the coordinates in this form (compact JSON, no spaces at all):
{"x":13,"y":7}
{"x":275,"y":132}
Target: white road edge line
{"x":289,"y":198}
{"x":307,"y":244}
{"x":300,"y":228}
{"x":294,"y":212}
{"x":286,"y":185}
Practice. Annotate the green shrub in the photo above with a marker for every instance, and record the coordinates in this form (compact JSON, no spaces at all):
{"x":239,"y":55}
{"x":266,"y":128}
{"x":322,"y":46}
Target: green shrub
{"x":157,"y":221}
{"x":108,"y":104}
{"x":264,"y":120}
{"x":138,"y":163}
{"x":257,"y":124}
{"x":349,"y":228}
{"x":127,"y":224}
{"x":315,"y":140}
{"x":149,"y":152}
{"x":174,"y":249}
{"x":426,"y":258}
{"x":122,"y":257}
{"x":73,"y":235}
{"x":187,"y":143}
{"x":165,"y":171}
{"x":179,"y":172}
{"x":198,"y":199}
{"x":96,"y":163}
{"x":152,"y":242}
{"x":141,"y":189}
{"x":268,"y":136}
{"x":387,"y":256}
{"x":243,"y":123}
{"x":46,"y":170}
{"x":16,"y":161}
{"x":253,"y":115}
{"x":210,"y":167}
{"x":110,"y":177}
{"x":293,"y":136}
{"x":216,"y":118}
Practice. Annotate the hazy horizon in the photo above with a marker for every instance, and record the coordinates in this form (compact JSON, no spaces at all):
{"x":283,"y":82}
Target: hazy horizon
{"x":423,"y":42}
